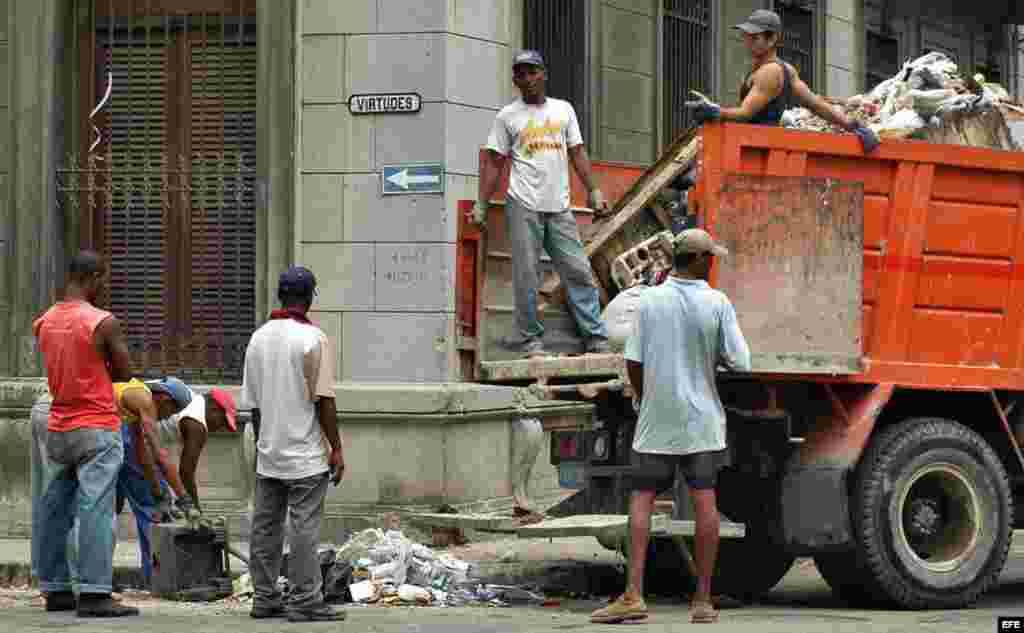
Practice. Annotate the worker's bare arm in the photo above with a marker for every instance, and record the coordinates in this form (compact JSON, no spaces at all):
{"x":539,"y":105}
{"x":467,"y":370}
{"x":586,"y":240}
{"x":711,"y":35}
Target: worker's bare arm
{"x":112,"y":345}
{"x":818,"y":105}
{"x":766,"y":84}
{"x":490,"y":172}
{"x":193,"y":436}
{"x":140,"y":402}
{"x":581,"y":163}
{"x":635,"y":371}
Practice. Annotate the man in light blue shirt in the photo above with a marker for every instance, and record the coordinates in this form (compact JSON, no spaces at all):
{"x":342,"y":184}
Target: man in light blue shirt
{"x":684,"y":330}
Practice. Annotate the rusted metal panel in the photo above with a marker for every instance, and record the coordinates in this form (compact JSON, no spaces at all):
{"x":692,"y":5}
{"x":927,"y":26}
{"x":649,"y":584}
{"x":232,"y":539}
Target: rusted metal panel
{"x":795,"y":270}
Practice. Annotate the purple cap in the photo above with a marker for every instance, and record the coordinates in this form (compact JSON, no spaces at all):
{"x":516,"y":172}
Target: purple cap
{"x":533,"y":58}
{"x":297,"y":280}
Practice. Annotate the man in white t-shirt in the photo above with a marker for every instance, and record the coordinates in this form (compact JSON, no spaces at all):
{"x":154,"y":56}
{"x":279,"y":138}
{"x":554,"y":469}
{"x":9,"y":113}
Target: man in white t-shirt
{"x":542,"y":136}
{"x":288,"y":383}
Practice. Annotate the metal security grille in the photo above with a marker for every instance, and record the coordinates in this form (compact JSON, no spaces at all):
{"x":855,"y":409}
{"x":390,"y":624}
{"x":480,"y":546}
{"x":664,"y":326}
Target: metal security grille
{"x":686,"y":60}
{"x":883,"y":58}
{"x":168,"y":193}
{"x":558,"y":29}
{"x":799,"y":35}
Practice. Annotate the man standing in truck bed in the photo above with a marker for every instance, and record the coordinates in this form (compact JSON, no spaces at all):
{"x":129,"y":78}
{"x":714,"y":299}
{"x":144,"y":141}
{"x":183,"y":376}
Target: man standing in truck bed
{"x":773,"y":85}
{"x":683,"y":331}
{"x":542,"y":135}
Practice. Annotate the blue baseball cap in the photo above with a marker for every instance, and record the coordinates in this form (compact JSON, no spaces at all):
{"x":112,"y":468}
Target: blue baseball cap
{"x":176,"y":389}
{"x":297,"y":280}
{"x":533,"y":58}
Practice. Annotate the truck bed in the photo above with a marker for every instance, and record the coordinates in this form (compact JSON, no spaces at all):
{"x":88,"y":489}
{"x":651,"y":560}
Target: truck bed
{"x":943,"y":247}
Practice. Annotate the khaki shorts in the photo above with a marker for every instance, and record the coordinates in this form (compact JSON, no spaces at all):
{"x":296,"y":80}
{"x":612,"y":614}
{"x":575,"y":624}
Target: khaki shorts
{"x":654,"y":471}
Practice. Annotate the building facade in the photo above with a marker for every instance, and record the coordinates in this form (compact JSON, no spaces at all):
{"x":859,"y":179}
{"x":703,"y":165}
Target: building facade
{"x":205,"y":145}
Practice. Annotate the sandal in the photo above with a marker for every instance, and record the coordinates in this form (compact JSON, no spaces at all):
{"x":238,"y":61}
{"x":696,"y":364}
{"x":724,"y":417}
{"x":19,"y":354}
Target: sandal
{"x":703,"y":613}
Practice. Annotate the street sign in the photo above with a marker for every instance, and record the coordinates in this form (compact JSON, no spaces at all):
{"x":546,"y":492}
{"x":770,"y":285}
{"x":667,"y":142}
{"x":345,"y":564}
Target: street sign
{"x":386,"y":103}
{"x":412,"y":178}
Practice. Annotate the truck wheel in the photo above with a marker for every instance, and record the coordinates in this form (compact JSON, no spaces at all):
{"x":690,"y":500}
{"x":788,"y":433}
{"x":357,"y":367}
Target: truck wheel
{"x":749,"y":567}
{"x":932,"y":514}
{"x":846,"y":579}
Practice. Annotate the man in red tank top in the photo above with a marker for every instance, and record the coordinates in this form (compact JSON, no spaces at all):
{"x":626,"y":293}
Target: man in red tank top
{"x":84,"y":350}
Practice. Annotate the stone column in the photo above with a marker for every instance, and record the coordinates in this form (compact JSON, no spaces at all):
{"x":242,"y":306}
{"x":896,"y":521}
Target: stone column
{"x":35,"y":252}
{"x":275,"y":137}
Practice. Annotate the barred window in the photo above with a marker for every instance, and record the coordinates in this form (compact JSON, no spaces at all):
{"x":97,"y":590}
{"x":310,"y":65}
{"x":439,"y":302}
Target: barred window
{"x":686,"y":60}
{"x":799,"y":36}
{"x":167,"y":194}
{"x":558,"y":29}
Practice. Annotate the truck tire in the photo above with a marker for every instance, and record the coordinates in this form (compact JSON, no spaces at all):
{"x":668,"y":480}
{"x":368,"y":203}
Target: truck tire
{"x":749,"y":567}
{"x":846,"y":578}
{"x":932,"y":514}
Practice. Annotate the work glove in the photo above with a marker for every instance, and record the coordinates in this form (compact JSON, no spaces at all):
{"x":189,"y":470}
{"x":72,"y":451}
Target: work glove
{"x":598,"y":202}
{"x":165,"y":510}
{"x":868,"y":139}
{"x":703,"y":110}
{"x":478,"y":214}
{"x":183,"y":505}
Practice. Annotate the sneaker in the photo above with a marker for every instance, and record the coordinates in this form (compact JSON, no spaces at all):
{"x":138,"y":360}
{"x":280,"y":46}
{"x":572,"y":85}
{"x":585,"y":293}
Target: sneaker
{"x":61,"y":601}
{"x":533,"y":347}
{"x":262,"y":612}
{"x":622,"y":610}
{"x":323,"y":613}
{"x":103,"y":606}
{"x":597,"y":345}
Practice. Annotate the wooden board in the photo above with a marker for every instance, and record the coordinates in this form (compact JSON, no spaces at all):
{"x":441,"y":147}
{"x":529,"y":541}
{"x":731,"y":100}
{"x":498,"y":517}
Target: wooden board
{"x":482,"y":522}
{"x":618,"y":524}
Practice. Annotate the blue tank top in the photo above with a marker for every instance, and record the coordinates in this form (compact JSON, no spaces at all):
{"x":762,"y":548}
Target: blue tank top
{"x":771,"y":114}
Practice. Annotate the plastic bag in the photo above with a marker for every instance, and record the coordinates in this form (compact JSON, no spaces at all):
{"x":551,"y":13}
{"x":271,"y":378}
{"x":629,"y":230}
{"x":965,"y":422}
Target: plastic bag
{"x":620,"y":315}
{"x":901,"y":125}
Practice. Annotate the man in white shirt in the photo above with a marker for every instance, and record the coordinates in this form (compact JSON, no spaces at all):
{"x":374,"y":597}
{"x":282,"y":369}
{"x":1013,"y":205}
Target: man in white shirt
{"x":288,"y":383}
{"x":683,"y":331}
{"x":542,"y":135}
{"x":214,"y":412}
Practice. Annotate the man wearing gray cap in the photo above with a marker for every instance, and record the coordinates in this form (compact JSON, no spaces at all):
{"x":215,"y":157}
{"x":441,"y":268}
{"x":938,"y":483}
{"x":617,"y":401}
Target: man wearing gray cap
{"x":542,"y":136}
{"x":773,"y":85}
{"x":684,"y":329}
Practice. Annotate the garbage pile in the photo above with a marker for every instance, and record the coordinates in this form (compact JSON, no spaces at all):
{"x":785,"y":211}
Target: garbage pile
{"x":386,"y":568}
{"x":926,"y":92}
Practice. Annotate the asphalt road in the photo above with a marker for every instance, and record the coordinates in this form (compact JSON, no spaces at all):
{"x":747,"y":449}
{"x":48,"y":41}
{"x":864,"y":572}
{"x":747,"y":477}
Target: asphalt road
{"x":802,"y":603}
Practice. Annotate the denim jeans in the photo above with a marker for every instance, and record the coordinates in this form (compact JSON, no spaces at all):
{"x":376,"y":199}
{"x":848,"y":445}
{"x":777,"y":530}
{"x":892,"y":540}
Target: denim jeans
{"x":530,"y":231}
{"x":302,"y":500}
{"x":83,"y":465}
{"x":132,"y":485}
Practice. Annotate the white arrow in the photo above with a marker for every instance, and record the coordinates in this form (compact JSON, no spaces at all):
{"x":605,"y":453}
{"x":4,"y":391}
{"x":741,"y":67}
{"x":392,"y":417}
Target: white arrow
{"x":403,"y":179}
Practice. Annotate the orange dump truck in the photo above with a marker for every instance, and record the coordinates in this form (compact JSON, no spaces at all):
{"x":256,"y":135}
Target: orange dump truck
{"x":883,"y":299}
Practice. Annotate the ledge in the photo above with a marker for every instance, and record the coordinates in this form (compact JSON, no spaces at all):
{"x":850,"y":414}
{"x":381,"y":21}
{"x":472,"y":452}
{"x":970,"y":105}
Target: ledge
{"x":455,"y":401}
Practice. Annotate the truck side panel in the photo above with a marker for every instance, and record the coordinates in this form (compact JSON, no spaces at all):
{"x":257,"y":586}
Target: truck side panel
{"x":943,"y":289}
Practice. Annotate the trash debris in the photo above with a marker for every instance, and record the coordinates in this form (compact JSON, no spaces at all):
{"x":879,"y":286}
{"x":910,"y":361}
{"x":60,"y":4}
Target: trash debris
{"x":384,"y":568}
{"x":921,"y":97}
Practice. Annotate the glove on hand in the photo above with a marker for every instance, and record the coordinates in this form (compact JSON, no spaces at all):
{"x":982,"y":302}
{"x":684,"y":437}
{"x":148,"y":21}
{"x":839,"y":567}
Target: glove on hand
{"x":478,"y":215}
{"x":704,"y":110}
{"x":183,"y":505}
{"x":868,"y":139}
{"x":165,"y":510}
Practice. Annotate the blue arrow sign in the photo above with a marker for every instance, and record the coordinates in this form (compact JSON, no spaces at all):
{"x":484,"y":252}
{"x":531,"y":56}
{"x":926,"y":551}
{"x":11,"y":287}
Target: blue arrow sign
{"x":412,"y":178}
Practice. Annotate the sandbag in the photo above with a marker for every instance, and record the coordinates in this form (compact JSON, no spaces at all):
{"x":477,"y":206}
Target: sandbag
{"x":620,"y":315}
